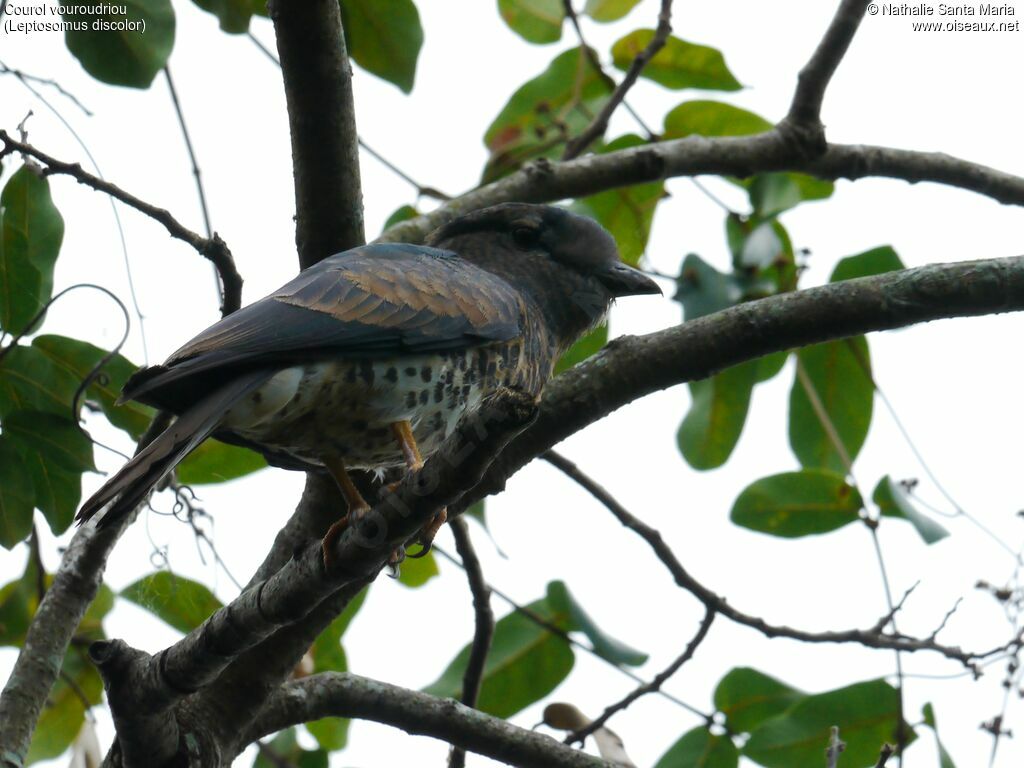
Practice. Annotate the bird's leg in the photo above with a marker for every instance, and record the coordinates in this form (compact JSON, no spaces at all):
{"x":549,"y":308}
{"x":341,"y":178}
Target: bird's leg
{"x":357,"y":506}
{"x":414,"y":461}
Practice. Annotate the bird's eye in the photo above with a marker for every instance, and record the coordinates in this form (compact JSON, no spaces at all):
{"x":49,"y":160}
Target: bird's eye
{"x":525,"y":237}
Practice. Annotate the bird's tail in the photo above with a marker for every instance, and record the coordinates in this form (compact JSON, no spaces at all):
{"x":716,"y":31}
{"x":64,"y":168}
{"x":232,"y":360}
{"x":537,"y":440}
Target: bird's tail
{"x":136,"y":479}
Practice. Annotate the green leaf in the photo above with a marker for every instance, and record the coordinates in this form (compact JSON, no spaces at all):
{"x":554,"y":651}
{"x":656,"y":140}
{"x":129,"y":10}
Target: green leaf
{"x":586,"y":347}
{"x":866,"y":714}
{"x":525,"y":664}
{"x":838,"y":379}
{"x":712,"y":118}
{"x":30,"y":381}
{"x":793,"y":504}
{"x":747,"y":698}
{"x":700,"y":748}
{"x":402,"y":213}
{"x":217,"y":462}
{"x":893,"y":501}
{"x":417,"y":571}
{"x":285,"y":750}
{"x":626,"y":212}
{"x":608,"y":10}
{"x":55,"y":438}
{"x":768,"y":367}
{"x":762,"y":254}
{"x":536,"y":21}
{"x":678,"y":64}
{"x":560,"y":598}
{"x":877,"y":261}
{"x":31,"y":231}
{"x":181,"y":602}
{"x":121,"y":50}
{"x":384,"y":37}
{"x":945,"y":761}
{"x":702,"y":289}
{"x":234,"y":15}
{"x":64,"y":713}
{"x":542,"y":112}
{"x":56,"y":490}
{"x":16,"y":499}
{"x":718,"y":410}
{"x":78,"y":358}
{"x":773,"y":193}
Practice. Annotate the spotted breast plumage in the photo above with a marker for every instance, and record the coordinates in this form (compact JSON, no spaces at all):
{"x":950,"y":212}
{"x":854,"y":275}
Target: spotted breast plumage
{"x":369,"y":358}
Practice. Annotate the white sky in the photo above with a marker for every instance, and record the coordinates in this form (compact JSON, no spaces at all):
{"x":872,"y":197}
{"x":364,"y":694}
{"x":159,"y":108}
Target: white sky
{"x":955,"y":384}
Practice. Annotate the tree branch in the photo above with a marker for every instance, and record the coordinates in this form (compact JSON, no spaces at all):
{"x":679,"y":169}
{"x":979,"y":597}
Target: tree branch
{"x":873,"y":637}
{"x":805,"y":110}
{"x":599,"y":124}
{"x":212,"y":248}
{"x":651,"y":687}
{"x":483,"y":625}
{"x":337,"y":694}
{"x":325,"y":155}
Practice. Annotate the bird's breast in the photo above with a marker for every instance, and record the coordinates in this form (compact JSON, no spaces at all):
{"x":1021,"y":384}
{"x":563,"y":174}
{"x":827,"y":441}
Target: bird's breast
{"x":345,"y":408}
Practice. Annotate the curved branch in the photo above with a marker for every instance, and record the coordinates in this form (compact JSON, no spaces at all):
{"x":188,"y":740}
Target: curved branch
{"x":341,"y":694}
{"x":212,"y":248}
{"x":543,"y":181}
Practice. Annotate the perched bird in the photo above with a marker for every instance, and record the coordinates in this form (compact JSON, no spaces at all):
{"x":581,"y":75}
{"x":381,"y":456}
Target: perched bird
{"x":369,"y":358}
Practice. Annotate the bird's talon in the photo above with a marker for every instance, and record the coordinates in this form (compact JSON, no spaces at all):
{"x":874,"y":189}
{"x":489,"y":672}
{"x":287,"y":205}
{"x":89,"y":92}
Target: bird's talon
{"x":395,"y":561}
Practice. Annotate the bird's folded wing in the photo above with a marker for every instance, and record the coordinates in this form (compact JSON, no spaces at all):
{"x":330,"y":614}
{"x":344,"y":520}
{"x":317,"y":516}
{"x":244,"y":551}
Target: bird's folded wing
{"x":373,"y":301}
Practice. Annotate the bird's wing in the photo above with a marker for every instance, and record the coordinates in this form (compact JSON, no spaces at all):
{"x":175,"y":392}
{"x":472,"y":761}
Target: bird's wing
{"x":373,"y":301}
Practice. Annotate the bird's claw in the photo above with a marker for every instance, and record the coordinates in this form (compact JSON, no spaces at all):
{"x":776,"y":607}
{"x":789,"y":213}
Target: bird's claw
{"x":334,"y":533}
{"x":428,"y":532}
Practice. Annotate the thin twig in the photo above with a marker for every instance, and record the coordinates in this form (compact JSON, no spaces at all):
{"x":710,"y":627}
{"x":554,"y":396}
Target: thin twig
{"x":654,"y":685}
{"x":212,"y":248}
{"x":835,"y":748}
{"x":599,"y":124}
{"x":884,"y":755}
{"x":421,"y":190}
{"x":25,"y":77}
{"x":483,"y":622}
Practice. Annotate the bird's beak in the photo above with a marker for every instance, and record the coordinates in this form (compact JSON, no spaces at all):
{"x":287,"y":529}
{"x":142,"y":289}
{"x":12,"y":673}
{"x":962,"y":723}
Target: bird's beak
{"x":623,"y":280}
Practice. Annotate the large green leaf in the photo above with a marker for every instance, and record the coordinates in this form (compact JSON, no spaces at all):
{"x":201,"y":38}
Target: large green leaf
{"x":712,"y":118}
{"x":874,"y":262}
{"x":384,"y":37}
{"x":747,"y":698}
{"x":526,"y":662}
{"x":31,"y":381}
{"x":718,"y":410}
{"x":586,"y":347}
{"x":839,"y":376}
{"x":866,"y":714}
{"x":181,"y":602}
{"x":417,"y":571}
{"x":31,"y":231}
{"x":626,"y":212}
{"x":795,"y":504}
{"x":699,"y":748}
{"x":544,"y":111}
{"x":678,"y":64}
{"x":234,"y":15}
{"x":17,"y":498}
{"x":118,"y":49}
{"x":608,"y":10}
{"x":607,"y":647}
{"x":329,"y":656}
{"x":56,"y":438}
{"x":64,"y":713}
{"x":538,"y":21}
{"x":893,"y":501}
{"x":217,"y":462}
{"x":78,"y":358}
{"x":773,"y":193}
{"x":285,"y":750}
{"x":702,"y":289}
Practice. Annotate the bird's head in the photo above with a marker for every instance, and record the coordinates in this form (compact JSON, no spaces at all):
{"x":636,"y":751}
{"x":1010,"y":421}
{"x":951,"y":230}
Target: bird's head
{"x":567,"y":263}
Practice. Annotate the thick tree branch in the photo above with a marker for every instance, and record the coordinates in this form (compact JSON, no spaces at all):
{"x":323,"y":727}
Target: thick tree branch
{"x":483,"y":631}
{"x":212,"y":248}
{"x":873,"y":637}
{"x":334,"y":694}
{"x":294,"y":592}
{"x":805,"y":111}
{"x":599,"y":124}
{"x":325,"y":154}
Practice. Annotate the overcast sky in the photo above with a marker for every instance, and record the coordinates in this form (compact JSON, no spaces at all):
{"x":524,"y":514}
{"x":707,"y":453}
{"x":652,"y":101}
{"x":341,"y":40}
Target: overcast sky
{"x":955,"y":384}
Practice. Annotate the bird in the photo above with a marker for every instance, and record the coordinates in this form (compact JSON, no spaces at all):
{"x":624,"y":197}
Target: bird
{"x":368,"y":359}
